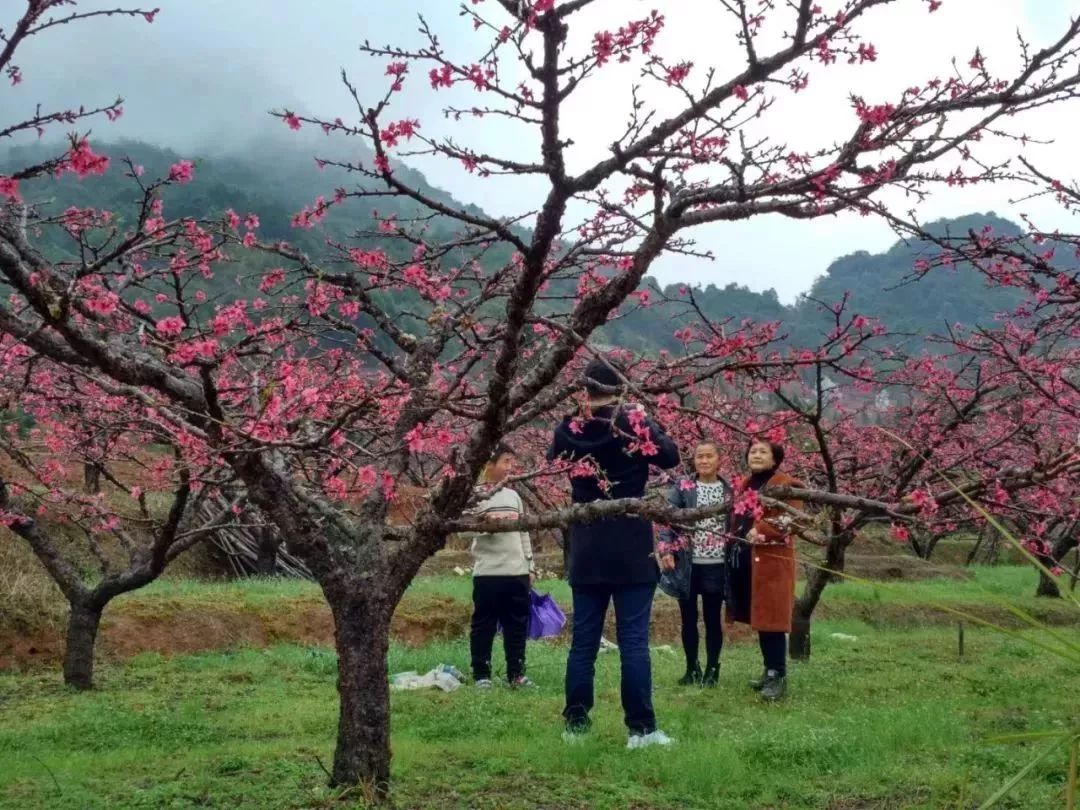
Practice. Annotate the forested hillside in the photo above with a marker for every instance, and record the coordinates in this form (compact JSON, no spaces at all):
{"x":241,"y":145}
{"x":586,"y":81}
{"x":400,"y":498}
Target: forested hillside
{"x":277,"y":179}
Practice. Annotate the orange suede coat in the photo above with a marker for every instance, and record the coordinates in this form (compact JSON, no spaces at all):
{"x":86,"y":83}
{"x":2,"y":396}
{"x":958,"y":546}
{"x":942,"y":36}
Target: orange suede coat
{"x":772,"y":571}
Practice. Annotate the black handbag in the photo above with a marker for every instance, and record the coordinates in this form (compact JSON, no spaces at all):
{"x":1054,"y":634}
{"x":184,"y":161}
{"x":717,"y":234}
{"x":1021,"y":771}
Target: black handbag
{"x":676,"y":582}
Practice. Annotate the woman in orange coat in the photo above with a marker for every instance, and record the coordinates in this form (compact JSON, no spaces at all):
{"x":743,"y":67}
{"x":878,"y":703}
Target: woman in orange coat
{"x":761,"y":567}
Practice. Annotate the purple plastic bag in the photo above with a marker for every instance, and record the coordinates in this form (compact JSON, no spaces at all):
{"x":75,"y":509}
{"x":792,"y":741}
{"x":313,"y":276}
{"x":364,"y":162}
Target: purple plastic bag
{"x":545,"y":616}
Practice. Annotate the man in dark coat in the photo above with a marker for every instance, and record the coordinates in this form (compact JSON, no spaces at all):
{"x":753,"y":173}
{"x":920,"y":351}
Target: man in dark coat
{"x":612,"y":559}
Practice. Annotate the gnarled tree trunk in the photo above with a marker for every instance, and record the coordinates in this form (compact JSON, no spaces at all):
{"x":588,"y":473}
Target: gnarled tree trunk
{"x":816,"y":580}
{"x":91,"y":478}
{"x":362,"y":636}
{"x":1065,"y":543}
{"x":987,"y":548}
{"x":83,"y":624}
{"x":266,"y":561}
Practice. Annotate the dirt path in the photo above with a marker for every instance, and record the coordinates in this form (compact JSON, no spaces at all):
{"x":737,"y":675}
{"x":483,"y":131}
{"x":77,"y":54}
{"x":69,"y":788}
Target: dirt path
{"x":173,"y":627}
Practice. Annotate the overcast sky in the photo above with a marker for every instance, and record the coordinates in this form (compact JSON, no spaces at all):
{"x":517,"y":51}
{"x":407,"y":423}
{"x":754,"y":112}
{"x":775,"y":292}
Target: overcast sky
{"x":206,"y":72}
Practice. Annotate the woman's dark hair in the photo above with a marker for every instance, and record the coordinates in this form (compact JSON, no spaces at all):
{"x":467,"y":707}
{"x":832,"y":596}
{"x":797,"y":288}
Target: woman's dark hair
{"x":501,"y":449}
{"x":777,"y":450}
{"x":707,"y":443}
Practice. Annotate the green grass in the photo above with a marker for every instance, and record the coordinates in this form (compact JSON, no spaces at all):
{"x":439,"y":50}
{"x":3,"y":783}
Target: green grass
{"x":892,"y":720}
{"x":1015,"y":583}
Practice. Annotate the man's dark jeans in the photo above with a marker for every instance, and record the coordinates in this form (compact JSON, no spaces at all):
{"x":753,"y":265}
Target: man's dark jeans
{"x":633,"y":607}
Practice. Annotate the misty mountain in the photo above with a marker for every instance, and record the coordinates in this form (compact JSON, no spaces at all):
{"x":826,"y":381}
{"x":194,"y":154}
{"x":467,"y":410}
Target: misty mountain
{"x":277,"y":176}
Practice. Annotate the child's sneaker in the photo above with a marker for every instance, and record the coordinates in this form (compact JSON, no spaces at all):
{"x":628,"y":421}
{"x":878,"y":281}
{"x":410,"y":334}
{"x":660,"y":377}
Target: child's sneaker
{"x":522,"y":682}
{"x":645,"y":740}
{"x":483,"y":683}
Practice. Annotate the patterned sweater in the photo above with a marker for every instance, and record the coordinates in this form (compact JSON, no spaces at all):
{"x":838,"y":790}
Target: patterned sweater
{"x":707,"y":540}
{"x":501,"y":554}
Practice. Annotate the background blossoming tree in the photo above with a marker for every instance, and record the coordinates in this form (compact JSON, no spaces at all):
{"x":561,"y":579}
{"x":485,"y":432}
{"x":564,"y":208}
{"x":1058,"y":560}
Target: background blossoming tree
{"x":325,"y":383}
{"x":143,"y":511}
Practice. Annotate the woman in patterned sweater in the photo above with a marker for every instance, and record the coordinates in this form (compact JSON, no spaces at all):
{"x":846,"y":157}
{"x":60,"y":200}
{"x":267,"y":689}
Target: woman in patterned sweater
{"x":705,"y":544}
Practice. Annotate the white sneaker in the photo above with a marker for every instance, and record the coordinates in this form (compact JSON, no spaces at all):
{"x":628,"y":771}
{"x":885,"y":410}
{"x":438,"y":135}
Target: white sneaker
{"x":645,"y":740}
{"x":483,"y":683}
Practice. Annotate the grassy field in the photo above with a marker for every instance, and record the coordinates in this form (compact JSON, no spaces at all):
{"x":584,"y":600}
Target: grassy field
{"x":1015,"y":583}
{"x":901,"y":603}
{"x":890,"y":720}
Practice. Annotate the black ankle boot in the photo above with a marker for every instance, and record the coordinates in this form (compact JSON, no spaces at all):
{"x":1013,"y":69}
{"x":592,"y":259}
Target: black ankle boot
{"x":757,"y":683}
{"x":711,"y":676}
{"x":692,"y":676}
{"x":774,"y":688}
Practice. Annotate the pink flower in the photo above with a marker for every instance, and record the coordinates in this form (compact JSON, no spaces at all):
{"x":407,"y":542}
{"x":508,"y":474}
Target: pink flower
{"x":367,"y":258}
{"x":388,"y":487}
{"x":251,"y":222}
{"x":232,"y":219}
{"x":678,"y":73}
{"x":9,"y":187}
{"x":83,"y":161}
{"x":149,"y":15}
{"x":876,"y":116}
{"x":170,"y":326}
{"x":648,"y":447}
{"x":415,"y":439}
{"x":603,"y":46}
{"x":104,"y":303}
{"x":776,"y":435}
{"x":292,"y":120}
{"x":182,"y":171}
{"x":407,"y":127}
{"x":398,"y":71}
{"x":741,"y":92}
{"x":926,"y":502}
{"x":389,"y":137}
{"x":441,"y":77}
{"x":899,"y":533}
{"x":229,"y":318}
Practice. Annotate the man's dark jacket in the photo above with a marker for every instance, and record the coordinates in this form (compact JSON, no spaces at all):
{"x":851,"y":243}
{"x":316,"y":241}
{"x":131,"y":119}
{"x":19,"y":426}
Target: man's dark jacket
{"x":611,"y":551}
